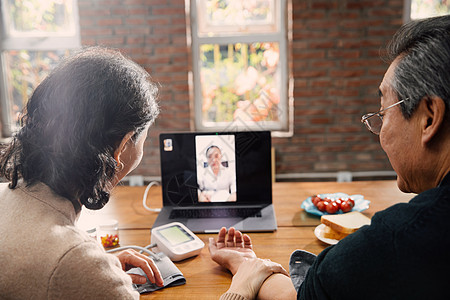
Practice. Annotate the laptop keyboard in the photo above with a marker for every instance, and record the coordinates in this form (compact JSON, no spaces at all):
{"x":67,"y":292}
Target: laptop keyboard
{"x":215,"y":213}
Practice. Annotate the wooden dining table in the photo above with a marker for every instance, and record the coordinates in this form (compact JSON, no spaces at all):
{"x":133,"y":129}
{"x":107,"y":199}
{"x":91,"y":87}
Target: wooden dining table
{"x":204,"y":278}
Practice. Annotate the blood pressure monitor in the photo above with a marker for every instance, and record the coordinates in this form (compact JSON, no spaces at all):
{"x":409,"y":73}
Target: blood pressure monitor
{"x":176,"y":241}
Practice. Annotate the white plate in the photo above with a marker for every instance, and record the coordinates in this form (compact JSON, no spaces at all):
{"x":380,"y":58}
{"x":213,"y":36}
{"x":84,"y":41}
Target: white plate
{"x":319,"y":234}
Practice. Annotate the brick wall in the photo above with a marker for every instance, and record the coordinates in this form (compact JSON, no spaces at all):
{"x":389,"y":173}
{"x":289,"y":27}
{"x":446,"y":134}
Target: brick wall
{"x":336,"y":68}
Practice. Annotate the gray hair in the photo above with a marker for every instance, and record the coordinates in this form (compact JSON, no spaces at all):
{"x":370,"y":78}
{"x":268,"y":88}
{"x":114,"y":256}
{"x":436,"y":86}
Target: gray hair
{"x":423,"y":47}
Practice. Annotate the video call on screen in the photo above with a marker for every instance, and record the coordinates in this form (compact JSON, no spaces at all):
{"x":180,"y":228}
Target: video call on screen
{"x":216,"y":168}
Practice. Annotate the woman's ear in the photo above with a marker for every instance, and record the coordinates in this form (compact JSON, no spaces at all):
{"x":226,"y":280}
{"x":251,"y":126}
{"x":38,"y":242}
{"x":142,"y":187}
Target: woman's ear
{"x":432,"y":117}
{"x":122,"y":146}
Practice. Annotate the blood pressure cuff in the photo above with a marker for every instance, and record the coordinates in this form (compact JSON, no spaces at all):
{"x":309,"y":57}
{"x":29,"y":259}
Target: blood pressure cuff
{"x":171,"y":275}
{"x":299,"y":264}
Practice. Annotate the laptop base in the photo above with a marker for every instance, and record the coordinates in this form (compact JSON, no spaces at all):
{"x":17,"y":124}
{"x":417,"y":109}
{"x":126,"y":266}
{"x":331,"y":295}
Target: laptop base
{"x":265,"y":223}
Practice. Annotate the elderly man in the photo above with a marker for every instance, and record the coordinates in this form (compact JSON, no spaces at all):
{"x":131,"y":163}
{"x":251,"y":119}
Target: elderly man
{"x":404,"y":253}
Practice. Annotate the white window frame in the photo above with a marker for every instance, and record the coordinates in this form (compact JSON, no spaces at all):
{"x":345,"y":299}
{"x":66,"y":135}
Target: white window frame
{"x":407,"y":11}
{"x":31,"y":42}
{"x":282,"y":37}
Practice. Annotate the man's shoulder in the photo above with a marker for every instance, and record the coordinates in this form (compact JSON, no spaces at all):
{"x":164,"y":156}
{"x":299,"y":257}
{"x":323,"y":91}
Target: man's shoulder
{"x":418,"y":205}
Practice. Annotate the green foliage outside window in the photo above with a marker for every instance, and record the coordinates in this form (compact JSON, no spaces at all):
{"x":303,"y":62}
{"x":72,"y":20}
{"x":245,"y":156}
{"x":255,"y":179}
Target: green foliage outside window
{"x":25,"y":70}
{"x":429,"y":8}
{"x":240,"y":81}
{"x":36,"y":15}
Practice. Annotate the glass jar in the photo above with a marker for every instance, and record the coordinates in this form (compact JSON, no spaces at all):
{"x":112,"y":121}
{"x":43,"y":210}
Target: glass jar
{"x":92,"y":232}
{"x":108,"y":233}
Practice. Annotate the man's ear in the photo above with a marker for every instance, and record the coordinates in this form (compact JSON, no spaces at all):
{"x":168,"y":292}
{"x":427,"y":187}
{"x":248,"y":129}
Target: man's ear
{"x":432,"y":117}
{"x":122,"y":146}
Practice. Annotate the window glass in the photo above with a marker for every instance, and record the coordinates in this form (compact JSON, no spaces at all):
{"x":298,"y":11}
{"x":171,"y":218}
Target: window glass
{"x":429,"y":8}
{"x":24,"y":71}
{"x":36,"y":36}
{"x":228,"y":16}
{"x":240,"y":81}
{"x":35,"y":17}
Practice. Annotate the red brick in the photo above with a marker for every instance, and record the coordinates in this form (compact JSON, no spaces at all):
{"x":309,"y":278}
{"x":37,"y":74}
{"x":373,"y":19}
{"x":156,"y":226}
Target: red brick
{"x":322,"y":83}
{"x":365,"y":43}
{"x":157,"y":39}
{"x":302,"y":34}
{"x":303,"y":15}
{"x":309,"y":73}
{"x":346,"y":73}
{"x":322,"y":63}
{"x":344,"y":15}
{"x":169,"y":11}
{"x":309,"y":93}
{"x":364,"y":4}
{"x":135,"y":40}
{"x":96,"y":31}
{"x":322,"y":45}
{"x":311,"y":111}
{"x":328,"y":5}
{"x":362,"y":23}
{"x":343,"y":92}
{"x":366,"y":63}
{"x":299,"y":55}
{"x":346,"y":129}
{"x":158,"y":21}
{"x":344,"y":53}
{"x":321,"y":120}
{"x":170,"y":50}
{"x":134,"y":21}
{"x":322,"y":24}
{"x":94,"y":12}
{"x":110,"y":41}
{"x":110,"y":22}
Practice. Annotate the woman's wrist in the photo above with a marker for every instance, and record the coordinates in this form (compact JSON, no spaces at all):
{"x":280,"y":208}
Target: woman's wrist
{"x":234,"y":264}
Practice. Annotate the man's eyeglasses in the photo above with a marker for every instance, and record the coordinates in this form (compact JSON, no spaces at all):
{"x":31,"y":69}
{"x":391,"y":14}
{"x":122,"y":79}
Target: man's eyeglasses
{"x":374,"y":124}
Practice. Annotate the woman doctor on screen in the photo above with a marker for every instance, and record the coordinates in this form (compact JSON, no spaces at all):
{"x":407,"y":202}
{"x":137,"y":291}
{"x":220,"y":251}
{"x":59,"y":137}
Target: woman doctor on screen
{"x":83,"y":130}
{"x":219,"y":182}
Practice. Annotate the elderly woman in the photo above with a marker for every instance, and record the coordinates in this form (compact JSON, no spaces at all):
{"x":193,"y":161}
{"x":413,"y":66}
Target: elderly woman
{"x":83,"y":130}
{"x":404,"y":253}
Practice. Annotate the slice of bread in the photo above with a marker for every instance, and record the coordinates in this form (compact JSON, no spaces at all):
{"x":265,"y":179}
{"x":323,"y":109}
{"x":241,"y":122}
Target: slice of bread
{"x":345,"y":223}
{"x":331,"y":234}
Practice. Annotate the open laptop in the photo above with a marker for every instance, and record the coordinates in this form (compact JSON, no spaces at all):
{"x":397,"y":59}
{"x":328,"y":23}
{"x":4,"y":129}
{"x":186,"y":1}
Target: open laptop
{"x":216,"y":179}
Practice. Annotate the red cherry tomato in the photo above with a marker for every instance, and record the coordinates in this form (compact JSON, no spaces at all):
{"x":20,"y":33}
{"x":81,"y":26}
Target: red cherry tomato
{"x":332,"y":207}
{"x":315,"y":199}
{"x":351,"y":202}
{"x":346,"y":206}
{"x":329,"y":199}
{"x":321,"y":205}
{"x":338,"y":202}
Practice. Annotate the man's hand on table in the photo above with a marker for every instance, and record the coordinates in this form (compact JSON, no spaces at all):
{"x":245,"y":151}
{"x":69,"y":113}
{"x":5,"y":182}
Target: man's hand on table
{"x":231,"y":250}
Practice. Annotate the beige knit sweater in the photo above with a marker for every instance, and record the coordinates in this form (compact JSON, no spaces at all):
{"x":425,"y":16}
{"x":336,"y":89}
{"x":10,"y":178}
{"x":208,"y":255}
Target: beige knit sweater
{"x":44,"y":256}
{"x":232,"y":296}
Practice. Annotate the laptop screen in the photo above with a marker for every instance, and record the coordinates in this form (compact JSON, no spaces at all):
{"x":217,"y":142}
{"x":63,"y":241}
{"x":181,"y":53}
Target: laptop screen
{"x":216,"y":168}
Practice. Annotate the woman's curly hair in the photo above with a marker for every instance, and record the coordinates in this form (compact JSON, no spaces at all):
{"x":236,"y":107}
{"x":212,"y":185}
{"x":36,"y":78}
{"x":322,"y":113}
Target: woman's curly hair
{"x":75,"y":120}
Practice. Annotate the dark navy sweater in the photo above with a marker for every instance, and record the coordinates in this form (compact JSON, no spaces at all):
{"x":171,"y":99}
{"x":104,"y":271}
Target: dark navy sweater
{"x":403,"y":254}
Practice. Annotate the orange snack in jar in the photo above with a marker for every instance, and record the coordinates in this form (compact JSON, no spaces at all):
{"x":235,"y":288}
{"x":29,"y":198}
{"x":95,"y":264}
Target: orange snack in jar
{"x":108,"y":233}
